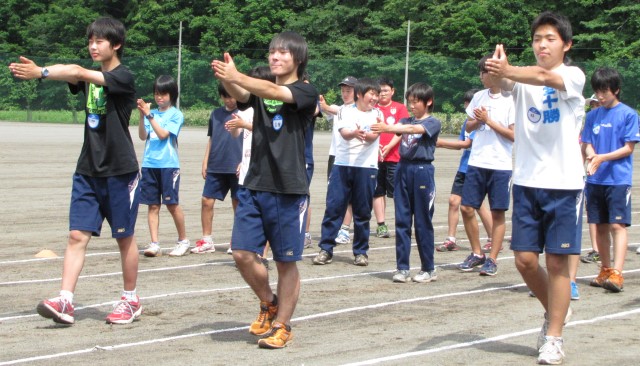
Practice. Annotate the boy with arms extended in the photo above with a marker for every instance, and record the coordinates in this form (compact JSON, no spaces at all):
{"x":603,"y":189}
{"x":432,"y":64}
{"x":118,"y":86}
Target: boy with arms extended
{"x":273,"y":206}
{"x":160,"y":182}
{"x":105,"y":183}
{"x":415,"y":188}
{"x":353,"y":176}
{"x":491,"y":116}
{"x":610,"y":134}
{"x":389,"y":153}
{"x":222,"y":156}
{"x":548,"y":172}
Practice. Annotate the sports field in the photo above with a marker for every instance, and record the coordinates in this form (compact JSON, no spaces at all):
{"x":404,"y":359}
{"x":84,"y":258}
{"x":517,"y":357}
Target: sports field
{"x":197,"y":308}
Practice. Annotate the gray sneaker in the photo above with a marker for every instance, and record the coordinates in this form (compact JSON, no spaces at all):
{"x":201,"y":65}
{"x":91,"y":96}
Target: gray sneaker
{"x":424,"y":276}
{"x":551,"y":352}
{"x":542,"y":336}
{"x":307,"y":240}
{"x":402,"y":276}
{"x":323,"y":258}
{"x":361,"y":260}
{"x":152,"y":250}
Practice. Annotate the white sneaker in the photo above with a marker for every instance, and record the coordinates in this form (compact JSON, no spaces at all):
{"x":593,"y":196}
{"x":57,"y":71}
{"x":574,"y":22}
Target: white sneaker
{"x":551,"y":352}
{"x":307,"y":240}
{"x":423,"y":276}
{"x":181,"y":248}
{"x":229,"y":251}
{"x":545,"y":326}
{"x":638,"y":250}
{"x":402,"y":276}
{"x":343,"y":237}
{"x":152,"y":250}
{"x":203,"y":246}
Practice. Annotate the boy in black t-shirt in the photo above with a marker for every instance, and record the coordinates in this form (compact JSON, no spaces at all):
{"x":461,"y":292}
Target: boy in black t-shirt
{"x":105,"y":184}
{"x":273,"y":207}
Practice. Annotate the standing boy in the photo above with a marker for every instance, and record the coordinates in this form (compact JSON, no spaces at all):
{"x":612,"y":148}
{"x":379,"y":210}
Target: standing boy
{"x":548,"y":171}
{"x":491,"y":115}
{"x":415,"y":184}
{"x":392,"y":112}
{"x":273,"y":207}
{"x":221,"y":159}
{"x":610,"y":134}
{"x":353,"y":176}
{"x":105,"y":183}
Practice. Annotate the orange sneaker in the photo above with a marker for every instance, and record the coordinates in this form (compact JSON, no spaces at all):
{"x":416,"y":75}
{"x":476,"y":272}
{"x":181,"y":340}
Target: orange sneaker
{"x":614,"y":282}
{"x":280,"y":336}
{"x":602,"y":277}
{"x":268,"y":312}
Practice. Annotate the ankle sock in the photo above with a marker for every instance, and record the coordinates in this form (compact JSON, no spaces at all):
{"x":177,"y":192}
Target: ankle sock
{"x":67,"y":295}
{"x":130,"y":295}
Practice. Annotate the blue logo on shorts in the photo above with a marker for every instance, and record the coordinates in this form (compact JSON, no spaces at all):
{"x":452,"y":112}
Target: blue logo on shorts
{"x":534,"y":115}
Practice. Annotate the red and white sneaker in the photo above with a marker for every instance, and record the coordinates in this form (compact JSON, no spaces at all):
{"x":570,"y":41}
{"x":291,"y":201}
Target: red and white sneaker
{"x":203,"y":246}
{"x":58,"y":309}
{"x":125,"y":312}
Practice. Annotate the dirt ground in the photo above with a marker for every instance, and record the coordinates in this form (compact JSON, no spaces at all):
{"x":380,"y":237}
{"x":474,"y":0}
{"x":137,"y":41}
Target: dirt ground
{"x":197,"y":308}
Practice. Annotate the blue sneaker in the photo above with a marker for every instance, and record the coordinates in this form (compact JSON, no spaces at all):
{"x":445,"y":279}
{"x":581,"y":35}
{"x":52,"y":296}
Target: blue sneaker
{"x":575,"y":295}
{"x":489,"y":268}
{"x":471,"y":262}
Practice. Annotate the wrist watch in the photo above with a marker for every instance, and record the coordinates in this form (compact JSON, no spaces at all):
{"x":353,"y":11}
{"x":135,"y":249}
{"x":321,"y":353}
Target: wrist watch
{"x":149,"y":116}
{"x":44,"y":73}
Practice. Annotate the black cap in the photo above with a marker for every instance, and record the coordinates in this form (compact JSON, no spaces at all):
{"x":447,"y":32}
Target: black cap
{"x":348,"y":81}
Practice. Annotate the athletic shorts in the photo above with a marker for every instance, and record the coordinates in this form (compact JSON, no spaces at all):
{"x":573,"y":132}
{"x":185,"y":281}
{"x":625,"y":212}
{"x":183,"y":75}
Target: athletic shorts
{"x":386,"y":178}
{"x":160,"y":186}
{"x":608,"y":204}
{"x":217,"y":186}
{"x":547,"y":220}
{"x":481,"y":182}
{"x":458,"y":184}
{"x":94,"y":199}
{"x":277,"y":218}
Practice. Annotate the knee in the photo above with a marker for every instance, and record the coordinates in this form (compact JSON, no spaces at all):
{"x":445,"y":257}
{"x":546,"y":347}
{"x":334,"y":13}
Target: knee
{"x":207,"y":203}
{"x":526,"y":264}
{"x":243,"y":257}
{"x":78,"y":238}
{"x":454,"y":201}
{"x":467,"y":211}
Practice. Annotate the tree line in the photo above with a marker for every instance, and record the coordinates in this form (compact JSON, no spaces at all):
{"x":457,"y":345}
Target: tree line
{"x":346,"y":37}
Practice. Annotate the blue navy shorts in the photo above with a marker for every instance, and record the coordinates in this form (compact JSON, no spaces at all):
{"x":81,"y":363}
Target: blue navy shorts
{"x":94,"y":199}
{"x":386,"y":178}
{"x":458,"y":184}
{"x":481,"y":182}
{"x":277,"y":218}
{"x":217,"y":186}
{"x":608,"y":204}
{"x":160,"y":186}
{"x":547,"y":220}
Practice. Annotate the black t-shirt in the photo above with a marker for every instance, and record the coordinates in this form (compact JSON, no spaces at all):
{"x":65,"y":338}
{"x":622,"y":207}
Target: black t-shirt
{"x":277,"y":147}
{"x":108,"y":149}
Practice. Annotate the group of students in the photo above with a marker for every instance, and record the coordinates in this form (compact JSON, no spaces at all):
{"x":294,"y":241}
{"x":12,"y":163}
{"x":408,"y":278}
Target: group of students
{"x":540,"y":107}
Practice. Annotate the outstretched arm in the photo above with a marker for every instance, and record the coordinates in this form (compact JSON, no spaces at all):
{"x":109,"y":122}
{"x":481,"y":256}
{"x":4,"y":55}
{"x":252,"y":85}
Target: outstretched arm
{"x":28,"y":70}
{"x":240,"y":86}
{"x":499,"y":66}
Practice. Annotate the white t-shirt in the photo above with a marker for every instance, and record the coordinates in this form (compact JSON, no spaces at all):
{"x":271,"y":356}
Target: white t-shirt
{"x":548,"y":123}
{"x":335,"y":134}
{"x":354,"y":152}
{"x":246,"y":115}
{"x":490,"y":149}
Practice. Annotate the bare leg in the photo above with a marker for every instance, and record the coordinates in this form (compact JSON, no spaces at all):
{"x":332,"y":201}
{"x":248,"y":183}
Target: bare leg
{"x":288,"y":290}
{"x":153,"y":218}
{"x":533,"y":274}
{"x":348,"y":216}
{"x":129,"y":259}
{"x":74,"y":259}
{"x":254,"y":274}
{"x":453,"y":215}
{"x":178,"y":219}
{"x":485,"y":217}
{"x":379,"y":206}
{"x":497,"y":234}
{"x":620,"y":243}
{"x":471,"y":227}
{"x":206,"y":215}
{"x":559,"y":292}
{"x":604,"y":244}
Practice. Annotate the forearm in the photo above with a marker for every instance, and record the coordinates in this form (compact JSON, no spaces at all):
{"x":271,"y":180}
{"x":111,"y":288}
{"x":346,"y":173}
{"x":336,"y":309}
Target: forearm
{"x":534,"y":75}
{"x":394,"y":141}
{"x":501,"y":130}
{"x":160,"y":132}
{"x":75,"y":73}
{"x":142,"y":131}
{"x":264,"y":89}
{"x":620,"y":153}
{"x":370,"y":137}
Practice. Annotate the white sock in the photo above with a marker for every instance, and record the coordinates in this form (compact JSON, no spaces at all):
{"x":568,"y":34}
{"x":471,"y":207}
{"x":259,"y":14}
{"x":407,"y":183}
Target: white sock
{"x":208,"y":239}
{"x":344,"y":227}
{"x":67,"y":295}
{"x":130,"y":295}
{"x":452,"y":238}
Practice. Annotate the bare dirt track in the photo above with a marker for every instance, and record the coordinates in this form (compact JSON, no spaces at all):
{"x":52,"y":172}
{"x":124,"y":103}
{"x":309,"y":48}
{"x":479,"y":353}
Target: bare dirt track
{"x":197,"y":308}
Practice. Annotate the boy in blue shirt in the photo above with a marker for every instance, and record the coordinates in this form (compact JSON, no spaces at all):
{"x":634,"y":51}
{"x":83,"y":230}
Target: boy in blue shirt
{"x":609,"y":135}
{"x":415,"y":188}
{"x":160,"y":182}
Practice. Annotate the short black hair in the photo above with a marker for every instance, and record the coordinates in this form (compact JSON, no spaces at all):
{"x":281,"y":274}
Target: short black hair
{"x":262,"y":72}
{"x":422,"y":92}
{"x":110,"y":29}
{"x":384,"y":80}
{"x":222,"y":91}
{"x":559,"y":22}
{"x":482,"y":64}
{"x":166,"y":84}
{"x":364,"y":85}
{"x":468,"y":95}
{"x":296,"y":45}
{"x":606,"y":78}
